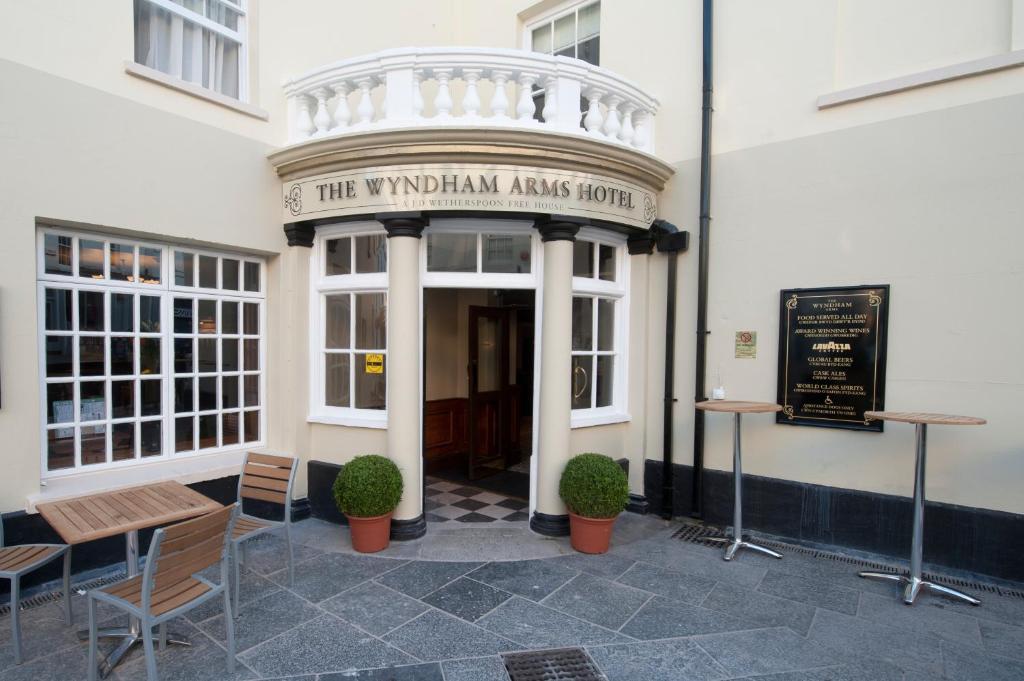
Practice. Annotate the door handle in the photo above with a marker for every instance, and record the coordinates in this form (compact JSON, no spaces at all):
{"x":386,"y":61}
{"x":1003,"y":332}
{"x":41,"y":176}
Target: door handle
{"x":576,"y":373}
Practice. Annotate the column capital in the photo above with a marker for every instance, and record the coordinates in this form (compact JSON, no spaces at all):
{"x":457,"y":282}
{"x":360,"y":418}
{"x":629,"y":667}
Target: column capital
{"x":558,"y":227}
{"x":409,"y":223}
{"x":640,"y":244}
{"x":300,"y":234}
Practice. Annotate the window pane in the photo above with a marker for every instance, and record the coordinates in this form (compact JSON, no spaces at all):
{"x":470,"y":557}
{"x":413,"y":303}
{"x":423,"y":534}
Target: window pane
{"x":252,"y":426}
{"x":57,"y":254}
{"x":251,"y":385}
{"x":184,"y":268}
{"x":229,"y":429}
{"x":151,"y":441}
{"x":590,"y":50}
{"x":90,"y":259}
{"x":184,"y":361}
{"x":92,"y":401}
{"x":207,"y":355}
{"x":183,"y":395}
{"x":228,"y":317}
{"x":371,"y":253}
{"x":91,"y":355}
{"x":583,"y":259}
{"x":252,"y":277}
{"x":207,"y":316}
{"x":582,"y":323}
{"x":565,"y":35}
{"x":606,"y":262}
{"x":207,"y":431}
{"x":207,"y":271}
{"x":208,"y":393}
{"x":251,"y":348}
{"x":581,"y":381}
{"x":229,"y":274}
{"x":251,"y":322}
{"x":60,"y":448}
{"x":60,"y":405}
{"x":150,"y":399}
{"x":589,"y":21}
{"x":336,"y":380}
{"x":605,"y":324}
{"x":229,"y":392}
{"x":506,"y":253}
{"x":541,"y":39}
{"x":338,"y":256}
{"x":605,"y":376}
{"x":149,"y":314}
{"x":122,"y":312}
{"x":94,"y":444}
{"x":184,"y":439}
{"x":149,"y":265}
{"x":371,"y":320}
{"x":122,"y":262}
{"x":122,"y":355}
{"x":90,"y":311}
{"x":338,"y":326}
{"x":58,"y":309}
{"x":371,"y":389}
{"x":122,"y":399}
{"x":451,"y":252}
{"x":229,"y":354}
{"x":58,"y":356}
{"x":183,"y":315}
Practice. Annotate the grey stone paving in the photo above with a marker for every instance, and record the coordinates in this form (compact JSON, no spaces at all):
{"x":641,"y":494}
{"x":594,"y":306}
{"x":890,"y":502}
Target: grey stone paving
{"x":444,"y":608}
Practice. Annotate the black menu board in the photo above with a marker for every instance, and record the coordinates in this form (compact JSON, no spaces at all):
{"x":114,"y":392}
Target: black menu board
{"x":832,"y":356}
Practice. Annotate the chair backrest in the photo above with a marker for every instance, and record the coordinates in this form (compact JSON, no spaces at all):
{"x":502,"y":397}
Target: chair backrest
{"x":181,"y":550}
{"x":266,"y":477}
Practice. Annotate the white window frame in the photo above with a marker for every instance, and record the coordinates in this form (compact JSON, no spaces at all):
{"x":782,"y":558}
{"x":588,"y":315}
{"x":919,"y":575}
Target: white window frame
{"x":321,"y":286}
{"x":166,"y":290}
{"x":553,"y":15}
{"x":618,"y":290}
{"x":479,"y":278}
{"x":240,"y":37}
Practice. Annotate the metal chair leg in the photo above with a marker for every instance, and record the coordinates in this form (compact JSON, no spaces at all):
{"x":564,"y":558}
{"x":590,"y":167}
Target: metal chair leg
{"x":93,"y":669}
{"x":147,"y":645}
{"x":234,"y":586}
{"x":291,"y":555}
{"x":15,"y":614}
{"x":162,"y":633}
{"x":229,"y":625}
{"x":67,"y":586}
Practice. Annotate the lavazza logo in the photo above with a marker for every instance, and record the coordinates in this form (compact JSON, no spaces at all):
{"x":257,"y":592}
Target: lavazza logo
{"x":832,"y":346}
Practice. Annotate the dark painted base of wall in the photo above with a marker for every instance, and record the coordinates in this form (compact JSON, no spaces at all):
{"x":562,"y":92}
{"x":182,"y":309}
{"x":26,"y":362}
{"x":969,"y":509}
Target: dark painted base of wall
{"x":550,"y":525}
{"x":320,"y":477}
{"x":961,"y":537}
{"x":405,"y":530}
{"x":638,"y":504}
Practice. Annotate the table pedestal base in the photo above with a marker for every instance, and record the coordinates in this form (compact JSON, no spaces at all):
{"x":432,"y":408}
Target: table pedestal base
{"x":914,"y":585}
{"x":130,"y":637}
{"x":733,"y":545}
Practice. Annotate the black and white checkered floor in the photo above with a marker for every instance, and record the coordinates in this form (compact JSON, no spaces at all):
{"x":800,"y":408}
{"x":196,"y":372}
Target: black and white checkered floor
{"x":451,"y":501}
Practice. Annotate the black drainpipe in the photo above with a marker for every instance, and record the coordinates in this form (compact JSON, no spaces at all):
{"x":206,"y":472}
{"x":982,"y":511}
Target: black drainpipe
{"x":701,"y":360}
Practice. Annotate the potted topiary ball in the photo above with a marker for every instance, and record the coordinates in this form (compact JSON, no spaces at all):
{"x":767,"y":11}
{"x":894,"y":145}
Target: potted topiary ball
{"x":595,"y":490}
{"x":367,"y":490}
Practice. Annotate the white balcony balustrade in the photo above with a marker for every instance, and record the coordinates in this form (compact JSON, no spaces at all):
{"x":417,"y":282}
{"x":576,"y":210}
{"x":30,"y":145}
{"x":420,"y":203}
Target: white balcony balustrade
{"x":473,"y":87}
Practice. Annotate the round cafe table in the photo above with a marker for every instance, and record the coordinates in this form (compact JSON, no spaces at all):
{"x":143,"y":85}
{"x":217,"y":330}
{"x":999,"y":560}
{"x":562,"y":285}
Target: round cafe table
{"x":737,"y":408}
{"x":914,"y":582}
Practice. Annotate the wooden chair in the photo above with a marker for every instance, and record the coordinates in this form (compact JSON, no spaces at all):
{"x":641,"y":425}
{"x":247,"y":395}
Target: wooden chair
{"x":19,"y":560}
{"x":264,"y":478}
{"x":169,"y":585}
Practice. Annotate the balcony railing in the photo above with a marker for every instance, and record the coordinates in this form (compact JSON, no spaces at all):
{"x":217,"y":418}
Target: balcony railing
{"x":473,"y":87}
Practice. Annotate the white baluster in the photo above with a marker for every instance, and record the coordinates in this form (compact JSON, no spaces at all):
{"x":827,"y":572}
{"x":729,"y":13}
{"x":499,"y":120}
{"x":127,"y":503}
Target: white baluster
{"x":365,"y":108}
{"x":471,"y":100}
{"x":443,"y":100}
{"x":526,"y":107}
{"x":550,"y":112}
{"x":304,"y":126}
{"x":417,"y":94}
{"x":342,"y":114}
{"x":627,"y":132}
{"x":592,"y":121}
{"x":499,"y":101}
{"x":611,"y":121}
{"x":643,"y":120}
{"x":322,"y":119}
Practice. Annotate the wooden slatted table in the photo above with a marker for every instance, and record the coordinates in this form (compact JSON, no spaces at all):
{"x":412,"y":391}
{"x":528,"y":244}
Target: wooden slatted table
{"x":125,"y":511}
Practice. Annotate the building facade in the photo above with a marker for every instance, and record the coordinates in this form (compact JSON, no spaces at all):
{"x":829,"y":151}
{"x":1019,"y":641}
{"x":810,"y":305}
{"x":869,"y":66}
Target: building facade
{"x":444,"y":232}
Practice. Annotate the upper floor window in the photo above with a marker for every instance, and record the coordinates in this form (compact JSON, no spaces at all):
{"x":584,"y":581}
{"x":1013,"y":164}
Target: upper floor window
{"x":569,"y":31}
{"x":198,"y":41}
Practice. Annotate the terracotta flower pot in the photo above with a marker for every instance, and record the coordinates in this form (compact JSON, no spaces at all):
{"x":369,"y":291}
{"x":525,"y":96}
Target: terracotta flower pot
{"x":370,"y":535}
{"x":590,"y":535}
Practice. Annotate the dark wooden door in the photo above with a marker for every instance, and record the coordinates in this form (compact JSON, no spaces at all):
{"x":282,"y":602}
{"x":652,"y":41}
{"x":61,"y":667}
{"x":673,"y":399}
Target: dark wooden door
{"x":491,"y":397}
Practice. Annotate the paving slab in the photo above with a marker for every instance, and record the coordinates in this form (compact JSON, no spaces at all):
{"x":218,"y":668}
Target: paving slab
{"x":853,"y":639}
{"x":815,"y":592}
{"x":663,"y":618}
{"x":331,"y":573}
{"x":535,"y":626}
{"x":374,"y":608}
{"x":966,"y":663}
{"x":607,"y":565}
{"x":928,"y":614}
{"x":435,"y":635}
{"x":534,"y":579}
{"x":1003,"y":639}
{"x":662,"y":661}
{"x":762,"y":609}
{"x":417,"y":672}
{"x":764,"y":651}
{"x":597,"y":600}
{"x":263,"y":619}
{"x":668,"y":583}
{"x":251,"y":587}
{"x":467,"y":599}
{"x":477,"y":669}
{"x":423,"y":577}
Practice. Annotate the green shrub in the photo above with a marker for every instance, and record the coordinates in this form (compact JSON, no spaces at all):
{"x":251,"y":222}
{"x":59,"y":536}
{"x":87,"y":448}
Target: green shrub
{"x":368,"y":486}
{"x":594,"y":486}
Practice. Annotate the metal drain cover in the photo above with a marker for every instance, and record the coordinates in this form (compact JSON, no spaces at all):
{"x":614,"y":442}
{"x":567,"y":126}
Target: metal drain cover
{"x":563,"y":664}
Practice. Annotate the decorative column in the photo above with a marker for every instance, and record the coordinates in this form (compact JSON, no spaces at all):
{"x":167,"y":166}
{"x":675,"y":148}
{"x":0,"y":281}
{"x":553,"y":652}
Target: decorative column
{"x":403,"y":371}
{"x":553,"y":451}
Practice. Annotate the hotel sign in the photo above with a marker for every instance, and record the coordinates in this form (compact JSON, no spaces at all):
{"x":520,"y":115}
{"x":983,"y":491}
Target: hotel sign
{"x":469,"y":187}
{"x":832,"y":350}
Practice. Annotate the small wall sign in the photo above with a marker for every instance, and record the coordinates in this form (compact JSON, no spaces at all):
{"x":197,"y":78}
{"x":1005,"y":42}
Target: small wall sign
{"x":375,"y":363}
{"x":746,"y":345}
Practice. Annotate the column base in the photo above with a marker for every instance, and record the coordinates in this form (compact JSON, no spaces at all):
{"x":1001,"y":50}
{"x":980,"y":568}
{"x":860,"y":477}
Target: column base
{"x":550,"y":525}
{"x":638,"y":504}
{"x":405,"y":530}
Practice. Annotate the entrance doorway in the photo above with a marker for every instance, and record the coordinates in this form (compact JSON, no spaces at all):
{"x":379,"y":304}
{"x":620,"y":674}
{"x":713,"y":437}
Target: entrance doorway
{"x":478,"y":388}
